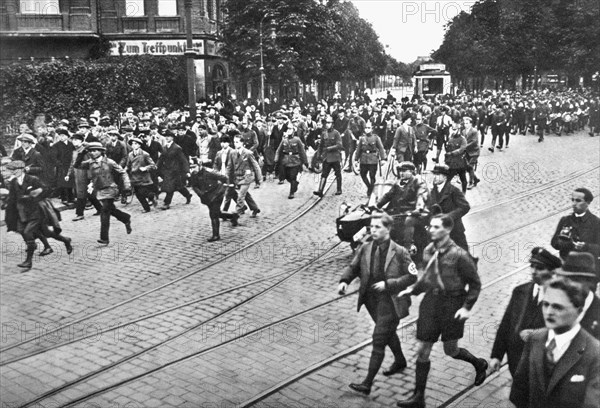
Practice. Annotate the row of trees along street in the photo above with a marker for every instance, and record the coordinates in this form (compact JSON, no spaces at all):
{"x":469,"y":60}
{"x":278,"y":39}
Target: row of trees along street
{"x":509,"y":43}
{"x":303,"y":41}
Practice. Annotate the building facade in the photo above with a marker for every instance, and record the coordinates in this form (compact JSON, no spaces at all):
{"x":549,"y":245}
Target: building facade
{"x":32,"y":30}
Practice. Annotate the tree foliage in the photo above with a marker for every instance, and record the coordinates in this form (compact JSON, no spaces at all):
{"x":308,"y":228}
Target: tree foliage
{"x":314,"y":40}
{"x":74,"y":89}
{"x":508,"y":38}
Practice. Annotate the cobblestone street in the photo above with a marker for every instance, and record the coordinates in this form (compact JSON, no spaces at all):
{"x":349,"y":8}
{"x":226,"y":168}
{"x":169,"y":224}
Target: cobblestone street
{"x":161,"y":318}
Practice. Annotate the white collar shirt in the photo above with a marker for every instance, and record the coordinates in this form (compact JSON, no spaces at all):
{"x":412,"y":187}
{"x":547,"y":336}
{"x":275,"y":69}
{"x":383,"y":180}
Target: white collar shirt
{"x":563,"y":341}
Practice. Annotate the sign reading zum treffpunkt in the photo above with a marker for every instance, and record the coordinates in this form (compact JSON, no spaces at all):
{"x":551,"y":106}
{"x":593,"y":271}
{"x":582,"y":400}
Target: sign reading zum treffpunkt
{"x":159,"y":47}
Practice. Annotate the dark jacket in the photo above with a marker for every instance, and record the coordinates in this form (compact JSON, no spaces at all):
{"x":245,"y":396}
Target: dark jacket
{"x":575,"y":380}
{"x":63,"y":156}
{"x":456,"y":269}
{"x":404,"y":198}
{"x":173,"y":166}
{"x":208,"y":184}
{"x":134,"y":162}
{"x":585,"y":229}
{"x":452,"y":201}
{"x":154,"y":149}
{"x":291,"y":152}
{"x":400,"y":273}
{"x":118,"y":153}
{"x":32,"y":159}
{"x":523,"y":312}
{"x":20,"y":205}
{"x":330,"y":147}
{"x":370,"y":149}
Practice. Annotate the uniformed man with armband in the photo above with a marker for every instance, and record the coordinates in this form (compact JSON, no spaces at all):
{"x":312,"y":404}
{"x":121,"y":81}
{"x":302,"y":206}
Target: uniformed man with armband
{"x":293,"y":156}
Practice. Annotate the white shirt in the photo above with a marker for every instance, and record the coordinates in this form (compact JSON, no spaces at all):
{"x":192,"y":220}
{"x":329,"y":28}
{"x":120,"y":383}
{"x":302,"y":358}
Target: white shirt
{"x":563,"y":341}
{"x":538,"y":291}
{"x":579,"y":215}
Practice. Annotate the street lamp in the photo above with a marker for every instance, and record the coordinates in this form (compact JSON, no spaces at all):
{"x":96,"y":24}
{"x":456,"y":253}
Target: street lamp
{"x":262,"y":65}
{"x":190,"y":55}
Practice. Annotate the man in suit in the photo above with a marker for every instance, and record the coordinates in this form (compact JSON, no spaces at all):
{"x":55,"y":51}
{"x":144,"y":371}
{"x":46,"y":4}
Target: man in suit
{"x":404,"y":140}
{"x":524,"y":312}
{"x":28,"y":154}
{"x":384,"y":269}
{"x":449,"y":199}
{"x":579,"y":267}
{"x":173,"y":166}
{"x":244,"y":169}
{"x":579,"y":231}
{"x":560,"y":365}
{"x":222,"y":161}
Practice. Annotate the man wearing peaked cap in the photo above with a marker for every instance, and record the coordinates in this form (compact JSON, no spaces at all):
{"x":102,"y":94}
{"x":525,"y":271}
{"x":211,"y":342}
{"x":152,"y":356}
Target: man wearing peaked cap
{"x":580,"y":267}
{"x":524,"y":312}
{"x":28,"y":154}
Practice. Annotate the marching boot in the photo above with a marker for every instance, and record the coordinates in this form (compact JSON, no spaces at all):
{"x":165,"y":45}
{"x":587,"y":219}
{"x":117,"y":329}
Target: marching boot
{"x":417,"y":400}
{"x":319,"y":193}
{"x":215,"y":223}
{"x":480,"y":364}
{"x":27,"y":264}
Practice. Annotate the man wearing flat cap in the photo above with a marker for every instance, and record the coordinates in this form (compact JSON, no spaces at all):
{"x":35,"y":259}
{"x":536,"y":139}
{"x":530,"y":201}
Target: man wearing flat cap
{"x":580,"y":267}
{"x":62,"y":151}
{"x":524,"y":312}
{"x":579,"y":231}
{"x":80,"y":178}
{"x":28,"y":154}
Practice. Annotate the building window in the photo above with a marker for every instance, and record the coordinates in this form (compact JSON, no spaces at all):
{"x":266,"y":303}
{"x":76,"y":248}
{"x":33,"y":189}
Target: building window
{"x":39,"y":7}
{"x":167,"y":7}
{"x":134,"y":8}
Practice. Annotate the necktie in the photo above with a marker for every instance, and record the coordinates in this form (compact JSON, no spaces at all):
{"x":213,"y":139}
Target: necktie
{"x":433,"y":272}
{"x":376,"y":261}
{"x":550,"y":351}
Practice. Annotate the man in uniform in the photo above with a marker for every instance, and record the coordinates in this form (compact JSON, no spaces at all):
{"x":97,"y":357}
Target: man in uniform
{"x":446,"y":306}
{"x":329,"y":152}
{"x":498,"y":128}
{"x":579,"y":231}
{"x":472,"y":150}
{"x":384,"y":269}
{"x":423,"y":135}
{"x":524,"y":312}
{"x":356,"y":128}
{"x":449,"y":199}
{"x":368,"y":153}
{"x":292,"y":155}
{"x":409,"y":194}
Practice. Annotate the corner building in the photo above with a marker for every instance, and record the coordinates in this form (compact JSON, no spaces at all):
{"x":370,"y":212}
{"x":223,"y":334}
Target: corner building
{"x":41,"y":30}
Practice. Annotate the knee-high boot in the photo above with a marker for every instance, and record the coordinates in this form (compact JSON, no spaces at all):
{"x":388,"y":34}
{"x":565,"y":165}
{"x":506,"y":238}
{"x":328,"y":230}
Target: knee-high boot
{"x":31,"y":247}
{"x":417,"y":400}
{"x":215,"y":223}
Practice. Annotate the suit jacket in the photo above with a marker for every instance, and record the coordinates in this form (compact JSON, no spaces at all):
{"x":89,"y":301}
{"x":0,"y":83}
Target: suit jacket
{"x":452,"y":201}
{"x":244,"y":168}
{"x":585,"y":229}
{"x":591,"y":318}
{"x":400,"y":273}
{"x":523,"y":312}
{"x":404,"y":140}
{"x":173,"y":166}
{"x":219,"y":160}
{"x":20,"y":205}
{"x":32,"y":159}
{"x":575,"y":381}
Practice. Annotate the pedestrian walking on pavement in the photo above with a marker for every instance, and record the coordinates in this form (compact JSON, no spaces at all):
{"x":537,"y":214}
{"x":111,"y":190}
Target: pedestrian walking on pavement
{"x":105,"y":174}
{"x":210,"y":185}
{"x":293,"y":156}
{"x":243,"y":170}
{"x":384,"y":269}
{"x":330,"y":153}
{"x":446,"y":305}
{"x":472,"y":151}
{"x":174,"y":168}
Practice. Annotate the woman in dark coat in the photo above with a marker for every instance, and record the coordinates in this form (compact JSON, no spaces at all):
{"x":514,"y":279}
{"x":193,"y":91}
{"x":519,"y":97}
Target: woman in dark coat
{"x":210,"y":186}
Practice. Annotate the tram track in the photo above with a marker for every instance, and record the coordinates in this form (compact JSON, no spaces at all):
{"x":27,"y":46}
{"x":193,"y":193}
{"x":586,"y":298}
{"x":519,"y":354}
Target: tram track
{"x":250,"y":333}
{"x":48,"y":333}
{"x":263,"y":279}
